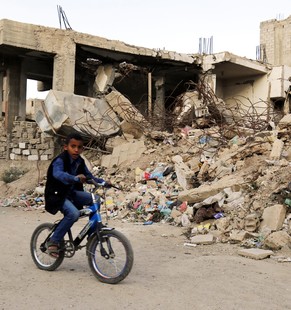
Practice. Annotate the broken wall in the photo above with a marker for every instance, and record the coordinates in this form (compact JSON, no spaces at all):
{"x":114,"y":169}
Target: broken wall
{"x":26,"y":142}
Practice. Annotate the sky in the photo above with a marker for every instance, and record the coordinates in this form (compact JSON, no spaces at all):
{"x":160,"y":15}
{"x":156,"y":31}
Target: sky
{"x":174,"y":25}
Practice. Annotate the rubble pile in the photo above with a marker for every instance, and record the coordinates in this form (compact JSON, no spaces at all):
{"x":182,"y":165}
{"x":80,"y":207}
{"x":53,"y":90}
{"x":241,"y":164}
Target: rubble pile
{"x":237,"y":192}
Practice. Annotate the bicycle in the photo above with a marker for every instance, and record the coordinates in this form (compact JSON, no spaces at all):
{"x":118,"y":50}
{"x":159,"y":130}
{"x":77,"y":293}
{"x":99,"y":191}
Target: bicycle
{"x":110,"y":254}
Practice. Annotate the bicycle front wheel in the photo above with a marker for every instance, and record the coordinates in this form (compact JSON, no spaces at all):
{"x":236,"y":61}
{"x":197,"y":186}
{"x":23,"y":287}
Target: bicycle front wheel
{"x":38,"y":249}
{"x":111,"y":262}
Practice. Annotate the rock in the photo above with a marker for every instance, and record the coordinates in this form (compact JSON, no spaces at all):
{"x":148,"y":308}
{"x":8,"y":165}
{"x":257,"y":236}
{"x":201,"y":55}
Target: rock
{"x":273,"y":217}
{"x":277,"y":240}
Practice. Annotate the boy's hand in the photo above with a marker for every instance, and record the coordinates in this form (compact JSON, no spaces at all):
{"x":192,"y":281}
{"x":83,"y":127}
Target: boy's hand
{"x":82,"y":178}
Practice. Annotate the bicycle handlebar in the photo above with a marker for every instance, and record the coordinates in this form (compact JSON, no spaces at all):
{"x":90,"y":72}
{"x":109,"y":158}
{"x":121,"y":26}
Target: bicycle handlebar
{"x":106,"y":185}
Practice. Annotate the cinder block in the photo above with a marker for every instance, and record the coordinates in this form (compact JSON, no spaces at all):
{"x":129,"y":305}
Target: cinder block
{"x":33,"y":157}
{"x":16,"y":151}
{"x":22,"y":145}
{"x":44,"y":157}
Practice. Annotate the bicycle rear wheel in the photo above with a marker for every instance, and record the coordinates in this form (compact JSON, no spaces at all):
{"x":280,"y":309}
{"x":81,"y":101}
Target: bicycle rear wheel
{"x":38,"y":249}
{"x":116,"y":265}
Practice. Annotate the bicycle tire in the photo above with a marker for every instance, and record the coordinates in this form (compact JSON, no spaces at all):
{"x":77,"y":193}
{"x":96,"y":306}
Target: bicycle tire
{"x":40,"y":257}
{"x":114,"y":269}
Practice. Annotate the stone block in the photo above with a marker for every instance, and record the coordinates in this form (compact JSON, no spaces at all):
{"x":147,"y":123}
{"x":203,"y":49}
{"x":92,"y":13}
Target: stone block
{"x":238,"y":235}
{"x":13,"y":156}
{"x":48,"y":152}
{"x":44,"y":157}
{"x":255,"y":253}
{"x":26,"y":152}
{"x":16,"y":151}
{"x":33,"y":157}
{"x":203,"y":239}
{"x":277,"y":240}
{"x":277,"y":149}
{"x":273,"y":217}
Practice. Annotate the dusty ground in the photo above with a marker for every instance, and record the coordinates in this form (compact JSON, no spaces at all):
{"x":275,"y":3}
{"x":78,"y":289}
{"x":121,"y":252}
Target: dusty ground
{"x":165,"y":275}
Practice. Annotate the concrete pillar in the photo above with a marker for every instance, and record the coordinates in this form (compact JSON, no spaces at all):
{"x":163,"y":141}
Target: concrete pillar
{"x":159,"y":107}
{"x":104,"y":78}
{"x":150,"y":95}
{"x":1,"y":92}
{"x":64,"y":73}
{"x":22,"y":99}
{"x":12,"y":91}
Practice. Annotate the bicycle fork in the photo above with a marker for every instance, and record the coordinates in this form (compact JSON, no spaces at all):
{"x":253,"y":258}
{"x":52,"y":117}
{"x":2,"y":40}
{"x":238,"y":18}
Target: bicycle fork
{"x":103,"y":251}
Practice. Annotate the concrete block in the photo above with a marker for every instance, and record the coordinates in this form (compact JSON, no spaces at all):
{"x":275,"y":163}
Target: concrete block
{"x":16,"y":151}
{"x":277,"y":240}
{"x":203,"y":239}
{"x":26,"y":152}
{"x":33,"y":157}
{"x":273,"y":217}
{"x":255,"y":253}
{"x":15,"y":156}
{"x":252,"y":222}
{"x":44,"y":157}
{"x":105,"y":77}
{"x":277,"y":149}
{"x":22,"y":145}
{"x":238,"y":235}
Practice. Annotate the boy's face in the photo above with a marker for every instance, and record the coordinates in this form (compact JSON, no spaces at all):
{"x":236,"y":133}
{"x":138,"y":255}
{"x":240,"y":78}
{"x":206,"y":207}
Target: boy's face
{"x":74,"y":148}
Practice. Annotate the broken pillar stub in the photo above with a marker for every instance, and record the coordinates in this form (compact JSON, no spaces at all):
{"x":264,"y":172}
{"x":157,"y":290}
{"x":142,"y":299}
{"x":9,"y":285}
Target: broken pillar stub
{"x":184,"y":174}
{"x":104,"y":78}
{"x":159,"y":105}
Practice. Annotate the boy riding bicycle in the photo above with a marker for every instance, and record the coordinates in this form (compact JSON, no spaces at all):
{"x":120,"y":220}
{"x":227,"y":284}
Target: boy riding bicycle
{"x":64,"y":188}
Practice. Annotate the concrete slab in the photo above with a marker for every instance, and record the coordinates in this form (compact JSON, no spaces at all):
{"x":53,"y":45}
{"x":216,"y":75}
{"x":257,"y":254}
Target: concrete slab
{"x":255,"y":253}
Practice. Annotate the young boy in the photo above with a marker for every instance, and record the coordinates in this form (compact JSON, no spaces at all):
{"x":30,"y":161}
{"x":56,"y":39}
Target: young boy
{"x":64,"y":188}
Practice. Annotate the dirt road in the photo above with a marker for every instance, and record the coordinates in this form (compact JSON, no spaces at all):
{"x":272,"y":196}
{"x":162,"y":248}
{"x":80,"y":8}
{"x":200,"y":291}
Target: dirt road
{"x":165,"y":275}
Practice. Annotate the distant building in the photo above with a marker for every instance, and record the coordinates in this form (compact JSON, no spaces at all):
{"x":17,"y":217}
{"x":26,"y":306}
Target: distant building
{"x":275,"y":41}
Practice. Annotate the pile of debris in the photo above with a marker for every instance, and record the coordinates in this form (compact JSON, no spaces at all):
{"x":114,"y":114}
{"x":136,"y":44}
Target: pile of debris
{"x":237,"y":192}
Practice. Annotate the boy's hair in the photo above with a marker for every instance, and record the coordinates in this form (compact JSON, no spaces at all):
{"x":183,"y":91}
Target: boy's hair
{"x":73,"y":135}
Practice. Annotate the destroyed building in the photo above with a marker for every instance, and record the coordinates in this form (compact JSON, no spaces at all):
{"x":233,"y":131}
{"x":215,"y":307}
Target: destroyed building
{"x":232,"y":115}
{"x":158,"y":84}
